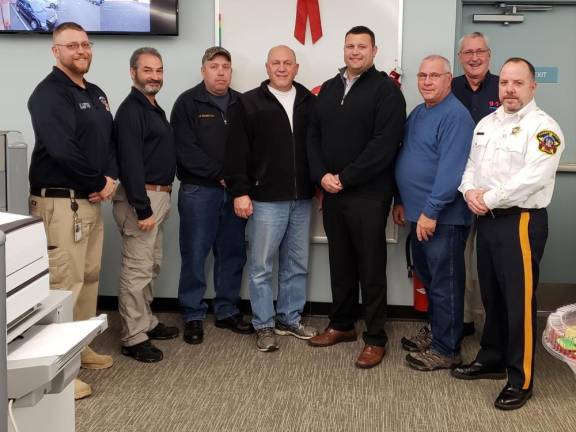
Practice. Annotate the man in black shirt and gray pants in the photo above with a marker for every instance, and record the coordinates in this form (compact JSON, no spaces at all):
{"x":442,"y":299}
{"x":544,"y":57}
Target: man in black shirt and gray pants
{"x":72,"y":169}
{"x":147,"y":160}
{"x":352,"y":144}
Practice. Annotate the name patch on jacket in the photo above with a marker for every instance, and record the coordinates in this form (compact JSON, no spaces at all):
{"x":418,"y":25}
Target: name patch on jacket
{"x":548,"y":142}
{"x":84,"y":105}
{"x":206,"y":116}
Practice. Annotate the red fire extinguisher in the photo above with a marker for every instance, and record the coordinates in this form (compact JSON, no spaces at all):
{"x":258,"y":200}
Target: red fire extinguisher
{"x":395,"y":74}
{"x":420,"y":297}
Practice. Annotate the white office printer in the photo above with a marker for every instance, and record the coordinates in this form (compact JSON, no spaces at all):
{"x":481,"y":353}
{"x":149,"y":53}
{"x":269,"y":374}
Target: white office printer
{"x":43,"y":344}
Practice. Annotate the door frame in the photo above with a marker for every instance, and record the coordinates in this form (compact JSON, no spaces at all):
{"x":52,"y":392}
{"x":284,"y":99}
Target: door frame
{"x":460,"y":5}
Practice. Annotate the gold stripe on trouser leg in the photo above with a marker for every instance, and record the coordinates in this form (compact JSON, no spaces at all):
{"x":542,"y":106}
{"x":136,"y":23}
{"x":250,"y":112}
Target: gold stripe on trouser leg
{"x":528,"y":291}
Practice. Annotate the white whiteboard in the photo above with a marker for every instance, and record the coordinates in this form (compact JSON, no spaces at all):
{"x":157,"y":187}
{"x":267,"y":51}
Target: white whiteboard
{"x":249,"y":28}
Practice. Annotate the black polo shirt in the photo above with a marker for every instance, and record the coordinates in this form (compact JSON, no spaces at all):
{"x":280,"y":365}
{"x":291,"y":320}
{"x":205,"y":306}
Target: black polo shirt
{"x":73,"y":130}
{"x":481,"y":102}
{"x":146,"y":151}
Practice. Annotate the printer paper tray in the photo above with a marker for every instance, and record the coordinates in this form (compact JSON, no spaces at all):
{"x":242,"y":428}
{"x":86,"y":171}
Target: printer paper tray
{"x":44,"y":351}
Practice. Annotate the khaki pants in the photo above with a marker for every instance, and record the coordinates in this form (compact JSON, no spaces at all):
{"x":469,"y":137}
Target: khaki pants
{"x":74,"y":265}
{"x":472,"y":301}
{"x":141,"y":260}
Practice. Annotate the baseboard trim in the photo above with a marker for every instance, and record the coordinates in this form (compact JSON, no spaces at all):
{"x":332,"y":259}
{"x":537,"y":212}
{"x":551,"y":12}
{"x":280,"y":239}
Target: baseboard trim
{"x":396,"y":312}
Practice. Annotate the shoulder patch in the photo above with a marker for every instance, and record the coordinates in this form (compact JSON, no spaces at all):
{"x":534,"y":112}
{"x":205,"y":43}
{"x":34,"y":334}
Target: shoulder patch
{"x":548,"y":142}
{"x":104,"y":102}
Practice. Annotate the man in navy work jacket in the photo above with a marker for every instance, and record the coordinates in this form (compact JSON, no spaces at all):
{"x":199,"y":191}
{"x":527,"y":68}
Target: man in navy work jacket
{"x":207,"y":221}
{"x":353,"y":140}
{"x":428,"y":172}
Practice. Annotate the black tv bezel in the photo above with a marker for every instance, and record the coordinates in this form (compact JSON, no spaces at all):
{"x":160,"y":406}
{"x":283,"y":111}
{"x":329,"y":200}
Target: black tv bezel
{"x":128,"y":33}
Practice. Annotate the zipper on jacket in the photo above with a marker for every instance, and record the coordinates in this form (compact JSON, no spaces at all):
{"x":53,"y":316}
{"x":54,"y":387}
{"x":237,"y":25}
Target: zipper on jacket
{"x":295,"y":170}
{"x":224,"y":118}
{"x":277,"y":102}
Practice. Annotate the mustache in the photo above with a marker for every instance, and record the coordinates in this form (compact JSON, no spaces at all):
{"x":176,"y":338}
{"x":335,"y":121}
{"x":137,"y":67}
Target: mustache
{"x":153,"y":82}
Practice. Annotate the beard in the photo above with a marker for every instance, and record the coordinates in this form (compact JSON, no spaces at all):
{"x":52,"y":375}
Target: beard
{"x":149,"y":87}
{"x":75,"y":66}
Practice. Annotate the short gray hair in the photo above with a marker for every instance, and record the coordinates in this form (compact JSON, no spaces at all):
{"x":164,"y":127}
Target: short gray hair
{"x":140,"y":51}
{"x":447,"y":66}
{"x":473,"y":35}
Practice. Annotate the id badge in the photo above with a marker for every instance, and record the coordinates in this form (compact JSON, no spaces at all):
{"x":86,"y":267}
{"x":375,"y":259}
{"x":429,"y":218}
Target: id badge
{"x":77,"y":229}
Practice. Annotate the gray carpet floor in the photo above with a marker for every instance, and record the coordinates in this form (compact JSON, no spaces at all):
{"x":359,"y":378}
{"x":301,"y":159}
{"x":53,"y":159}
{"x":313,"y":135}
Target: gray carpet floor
{"x":225,"y":384}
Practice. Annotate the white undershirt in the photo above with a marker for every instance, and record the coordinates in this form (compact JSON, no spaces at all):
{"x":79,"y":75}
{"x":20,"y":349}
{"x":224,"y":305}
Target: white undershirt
{"x":286,"y":99}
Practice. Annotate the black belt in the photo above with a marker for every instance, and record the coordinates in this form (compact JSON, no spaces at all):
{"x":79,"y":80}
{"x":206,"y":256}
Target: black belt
{"x":58,"y":193}
{"x":499,"y":212}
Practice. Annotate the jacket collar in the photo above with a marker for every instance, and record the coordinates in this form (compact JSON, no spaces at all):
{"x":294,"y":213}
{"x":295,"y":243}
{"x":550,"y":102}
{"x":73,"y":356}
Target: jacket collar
{"x":302,"y":93}
{"x":488,"y":77}
{"x":143,"y":100}
{"x":370,"y":71}
{"x":202,"y":95}
{"x":65,"y":79}
{"x":529,"y":107}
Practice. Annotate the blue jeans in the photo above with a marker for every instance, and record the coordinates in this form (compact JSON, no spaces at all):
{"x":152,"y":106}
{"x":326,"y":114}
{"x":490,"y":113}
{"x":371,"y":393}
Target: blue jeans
{"x":281,"y":227}
{"x":439,"y":263}
{"x":207,"y":221}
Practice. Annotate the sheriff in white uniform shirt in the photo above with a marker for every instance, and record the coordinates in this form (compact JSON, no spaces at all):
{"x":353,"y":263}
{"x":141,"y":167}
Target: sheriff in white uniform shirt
{"x":508,"y":183}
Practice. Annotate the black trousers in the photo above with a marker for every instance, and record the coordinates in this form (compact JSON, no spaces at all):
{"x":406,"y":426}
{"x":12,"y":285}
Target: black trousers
{"x":356,"y":231}
{"x":509,"y":250}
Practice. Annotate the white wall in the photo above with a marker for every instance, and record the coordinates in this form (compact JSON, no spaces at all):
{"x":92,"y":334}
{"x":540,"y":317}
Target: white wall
{"x":429,"y":27}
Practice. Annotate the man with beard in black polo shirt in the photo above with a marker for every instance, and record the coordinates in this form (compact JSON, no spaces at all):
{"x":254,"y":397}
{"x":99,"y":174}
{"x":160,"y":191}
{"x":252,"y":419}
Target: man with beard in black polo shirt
{"x":72,"y":170}
{"x":147,"y":159}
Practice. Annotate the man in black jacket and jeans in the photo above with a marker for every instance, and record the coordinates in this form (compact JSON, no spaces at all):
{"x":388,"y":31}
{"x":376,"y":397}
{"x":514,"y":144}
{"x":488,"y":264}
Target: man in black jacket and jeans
{"x":200,"y":119}
{"x":267,"y":171}
{"x":353,"y":140}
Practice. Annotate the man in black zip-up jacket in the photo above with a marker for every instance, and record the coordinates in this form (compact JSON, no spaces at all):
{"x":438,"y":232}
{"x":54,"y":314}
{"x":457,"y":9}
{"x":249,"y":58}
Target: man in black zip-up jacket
{"x":353,"y":139}
{"x":267,"y":172}
{"x":200,"y":119}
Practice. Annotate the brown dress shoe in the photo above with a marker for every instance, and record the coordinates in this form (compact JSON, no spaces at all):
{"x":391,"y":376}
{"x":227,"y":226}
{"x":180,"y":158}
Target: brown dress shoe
{"x":332,"y":337}
{"x":370,"y":356}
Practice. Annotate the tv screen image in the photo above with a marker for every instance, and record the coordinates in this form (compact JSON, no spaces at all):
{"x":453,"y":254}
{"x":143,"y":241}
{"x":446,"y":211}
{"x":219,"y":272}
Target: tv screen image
{"x":96,"y":16}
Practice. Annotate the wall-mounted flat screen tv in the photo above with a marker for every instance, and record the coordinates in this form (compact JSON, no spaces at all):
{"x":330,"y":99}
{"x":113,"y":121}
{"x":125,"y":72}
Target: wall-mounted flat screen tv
{"x":146,"y":17}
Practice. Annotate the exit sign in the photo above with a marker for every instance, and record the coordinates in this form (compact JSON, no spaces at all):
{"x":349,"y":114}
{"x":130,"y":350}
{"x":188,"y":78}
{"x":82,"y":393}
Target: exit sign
{"x":546,"y":74}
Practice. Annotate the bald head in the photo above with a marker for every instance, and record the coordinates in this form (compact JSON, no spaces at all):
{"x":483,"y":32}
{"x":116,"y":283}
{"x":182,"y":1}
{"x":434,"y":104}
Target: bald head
{"x":282,"y":50}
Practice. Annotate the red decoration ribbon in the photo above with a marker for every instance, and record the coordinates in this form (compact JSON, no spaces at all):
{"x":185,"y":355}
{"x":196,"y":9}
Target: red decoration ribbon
{"x":308,"y":10}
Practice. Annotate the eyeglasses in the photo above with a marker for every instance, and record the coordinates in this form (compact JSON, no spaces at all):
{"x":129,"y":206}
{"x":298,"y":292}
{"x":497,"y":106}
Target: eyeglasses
{"x":434,"y":76}
{"x":478,"y":53}
{"x":75,"y":46}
